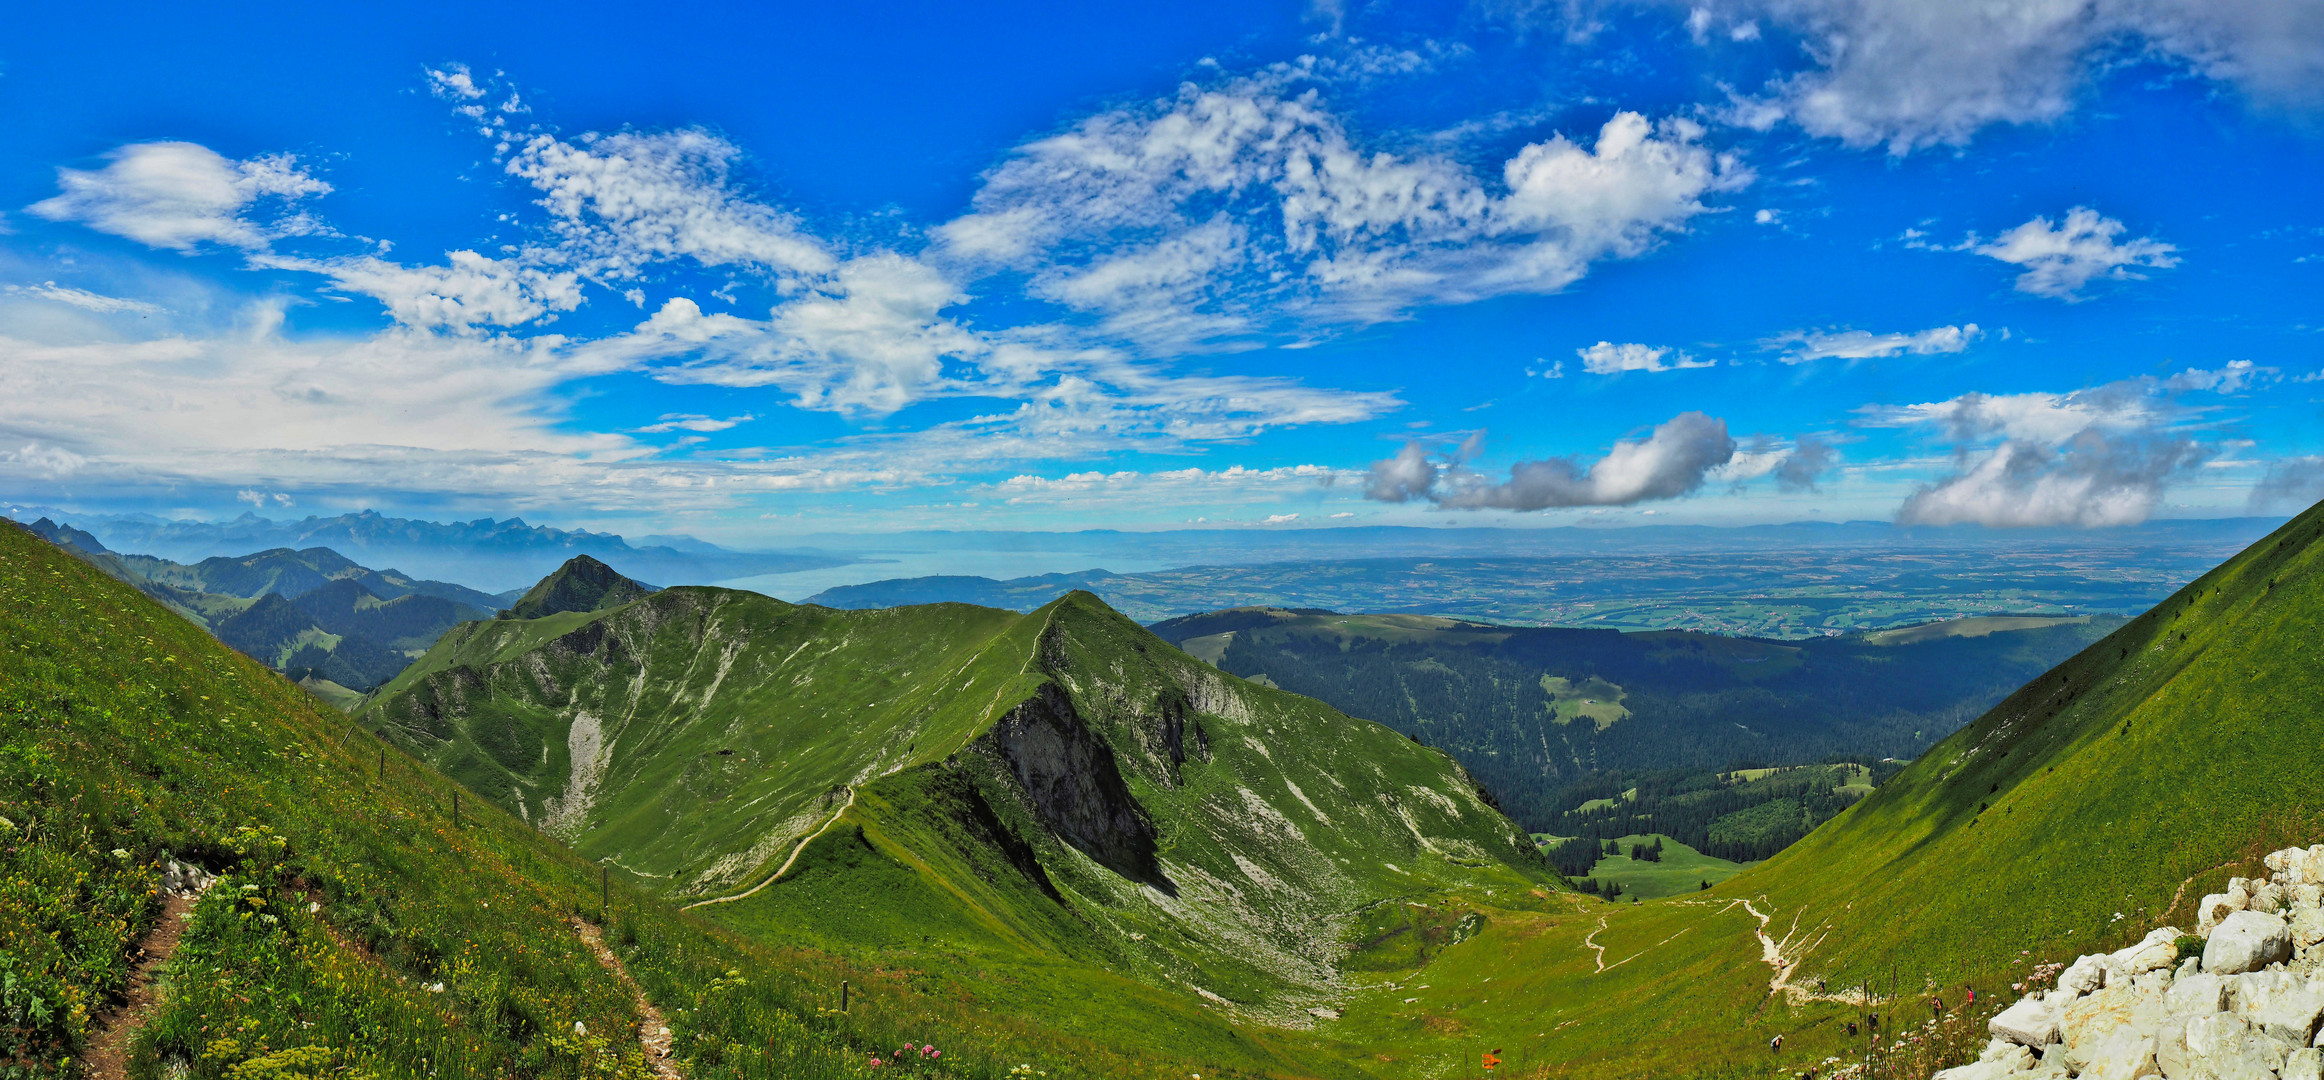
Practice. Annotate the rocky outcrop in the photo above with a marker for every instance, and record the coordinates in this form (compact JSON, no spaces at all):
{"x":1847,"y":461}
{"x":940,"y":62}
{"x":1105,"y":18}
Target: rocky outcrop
{"x":1069,"y":775}
{"x":2247,"y":1008}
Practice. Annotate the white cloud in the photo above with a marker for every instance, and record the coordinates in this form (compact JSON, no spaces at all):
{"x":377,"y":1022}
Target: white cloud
{"x":1806,"y":346}
{"x":83,"y":299}
{"x":1911,"y":74}
{"x":1280,"y":519}
{"x":2096,"y":457}
{"x":2060,"y":259}
{"x":1673,"y":461}
{"x":625,"y":201}
{"x":1607,"y":358}
{"x":2092,"y":480}
{"x":691,"y":422}
{"x":1246,"y":205}
{"x":1127,"y":488}
{"x":2229,"y":378}
{"x":179,"y":195}
{"x":1796,"y":467}
{"x":468,"y":291}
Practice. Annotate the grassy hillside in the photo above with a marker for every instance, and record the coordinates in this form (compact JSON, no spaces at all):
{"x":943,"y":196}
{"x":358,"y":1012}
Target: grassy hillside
{"x":2094,"y":804}
{"x":357,"y":928}
{"x":1550,"y":718}
{"x":1056,"y":795}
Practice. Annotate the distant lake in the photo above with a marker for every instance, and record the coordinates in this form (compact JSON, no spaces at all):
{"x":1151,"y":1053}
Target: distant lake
{"x":880,"y":565}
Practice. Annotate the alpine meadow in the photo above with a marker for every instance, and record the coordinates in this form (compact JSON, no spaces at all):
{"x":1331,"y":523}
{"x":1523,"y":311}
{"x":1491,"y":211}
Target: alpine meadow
{"x":1406,"y":540}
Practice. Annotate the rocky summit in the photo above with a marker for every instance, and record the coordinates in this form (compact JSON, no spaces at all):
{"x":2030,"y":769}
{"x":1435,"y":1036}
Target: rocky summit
{"x":2237,"y":1000}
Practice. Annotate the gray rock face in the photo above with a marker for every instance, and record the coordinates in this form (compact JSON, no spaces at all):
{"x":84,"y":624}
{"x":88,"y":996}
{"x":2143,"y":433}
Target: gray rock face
{"x":1069,"y":774}
{"x":2247,"y":941}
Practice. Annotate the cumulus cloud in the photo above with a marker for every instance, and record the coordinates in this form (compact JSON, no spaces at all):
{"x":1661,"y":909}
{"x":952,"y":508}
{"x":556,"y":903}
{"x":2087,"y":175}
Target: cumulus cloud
{"x":180,"y":195}
{"x":2292,"y":483}
{"x":1232,"y":206}
{"x":1607,"y":358}
{"x":1673,"y":461}
{"x":1808,"y":346}
{"x":2094,"y":479}
{"x":2096,"y":457}
{"x":2061,"y":258}
{"x":1796,"y":466}
{"x":1908,"y":74}
{"x":467,"y":292}
{"x":82,"y":298}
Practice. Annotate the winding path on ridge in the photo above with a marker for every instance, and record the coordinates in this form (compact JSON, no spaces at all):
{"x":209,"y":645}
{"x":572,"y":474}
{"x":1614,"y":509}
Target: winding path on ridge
{"x":786,"y":867}
{"x":107,"y":1057}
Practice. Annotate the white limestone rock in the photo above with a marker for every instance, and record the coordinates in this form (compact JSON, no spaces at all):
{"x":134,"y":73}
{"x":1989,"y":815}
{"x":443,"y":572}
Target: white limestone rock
{"x":2212,"y":909}
{"x":2266,"y":896}
{"x":2085,"y":975}
{"x":2307,"y":924}
{"x":2281,"y":1004}
{"x":2217,"y":1047}
{"x":2085,"y":1024}
{"x":2198,"y":994}
{"x":2128,"y":1053}
{"x":2157,"y":952}
{"x":2030,"y":1022}
{"x":1981,"y":1069}
{"x":2247,"y":941}
{"x":2014,"y":1058}
{"x":2306,"y":1063}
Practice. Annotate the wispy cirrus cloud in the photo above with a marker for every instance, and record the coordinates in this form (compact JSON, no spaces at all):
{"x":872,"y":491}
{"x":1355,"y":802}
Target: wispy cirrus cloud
{"x":1808,"y":346}
{"x":83,"y":299}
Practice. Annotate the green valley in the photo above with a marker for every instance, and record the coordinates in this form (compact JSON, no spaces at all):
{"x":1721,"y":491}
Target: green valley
{"x":1553,"y":720}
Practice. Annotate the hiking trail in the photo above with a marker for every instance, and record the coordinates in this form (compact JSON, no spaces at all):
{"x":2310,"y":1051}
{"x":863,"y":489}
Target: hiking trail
{"x":107,"y":1057}
{"x":653,"y":1032}
{"x":786,"y":867}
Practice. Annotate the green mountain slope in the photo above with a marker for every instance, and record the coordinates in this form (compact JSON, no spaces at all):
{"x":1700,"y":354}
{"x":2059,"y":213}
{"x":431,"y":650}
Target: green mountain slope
{"x":582,"y":584}
{"x":1045,"y":788}
{"x":356,"y":928}
{"x":1551,"y":718}
{"x":370,"y":920}
{"x":2098,"y":802}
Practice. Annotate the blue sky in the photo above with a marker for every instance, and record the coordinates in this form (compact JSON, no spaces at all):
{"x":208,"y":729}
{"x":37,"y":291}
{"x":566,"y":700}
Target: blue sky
{"x":772,"y":270}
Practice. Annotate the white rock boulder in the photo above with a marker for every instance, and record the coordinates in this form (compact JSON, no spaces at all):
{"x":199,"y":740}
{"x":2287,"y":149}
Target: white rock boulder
{"x":2128,"y":1053}
{"x":2306,"y":1063}
{"x":2030,"y":1022}
{"x":2193,"y":995}
{"x":2247,"y":941}
{"x":2217,"y":1047}
{"x":2283,"y":1005}
{"x":2084,"y":975}
{"x":2159,"y":951}
{"x":2212,"y":909}
{"x":2086,"y":1023}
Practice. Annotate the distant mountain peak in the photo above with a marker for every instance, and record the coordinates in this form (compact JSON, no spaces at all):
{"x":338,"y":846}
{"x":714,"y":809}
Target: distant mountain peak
{"x":582,"y":584}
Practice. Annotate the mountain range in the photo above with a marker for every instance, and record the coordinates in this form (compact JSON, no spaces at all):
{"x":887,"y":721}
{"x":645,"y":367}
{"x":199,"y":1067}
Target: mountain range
{"x":496,"y":554}
{"x":338,"y":627}
{"x":1051,"y":842}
